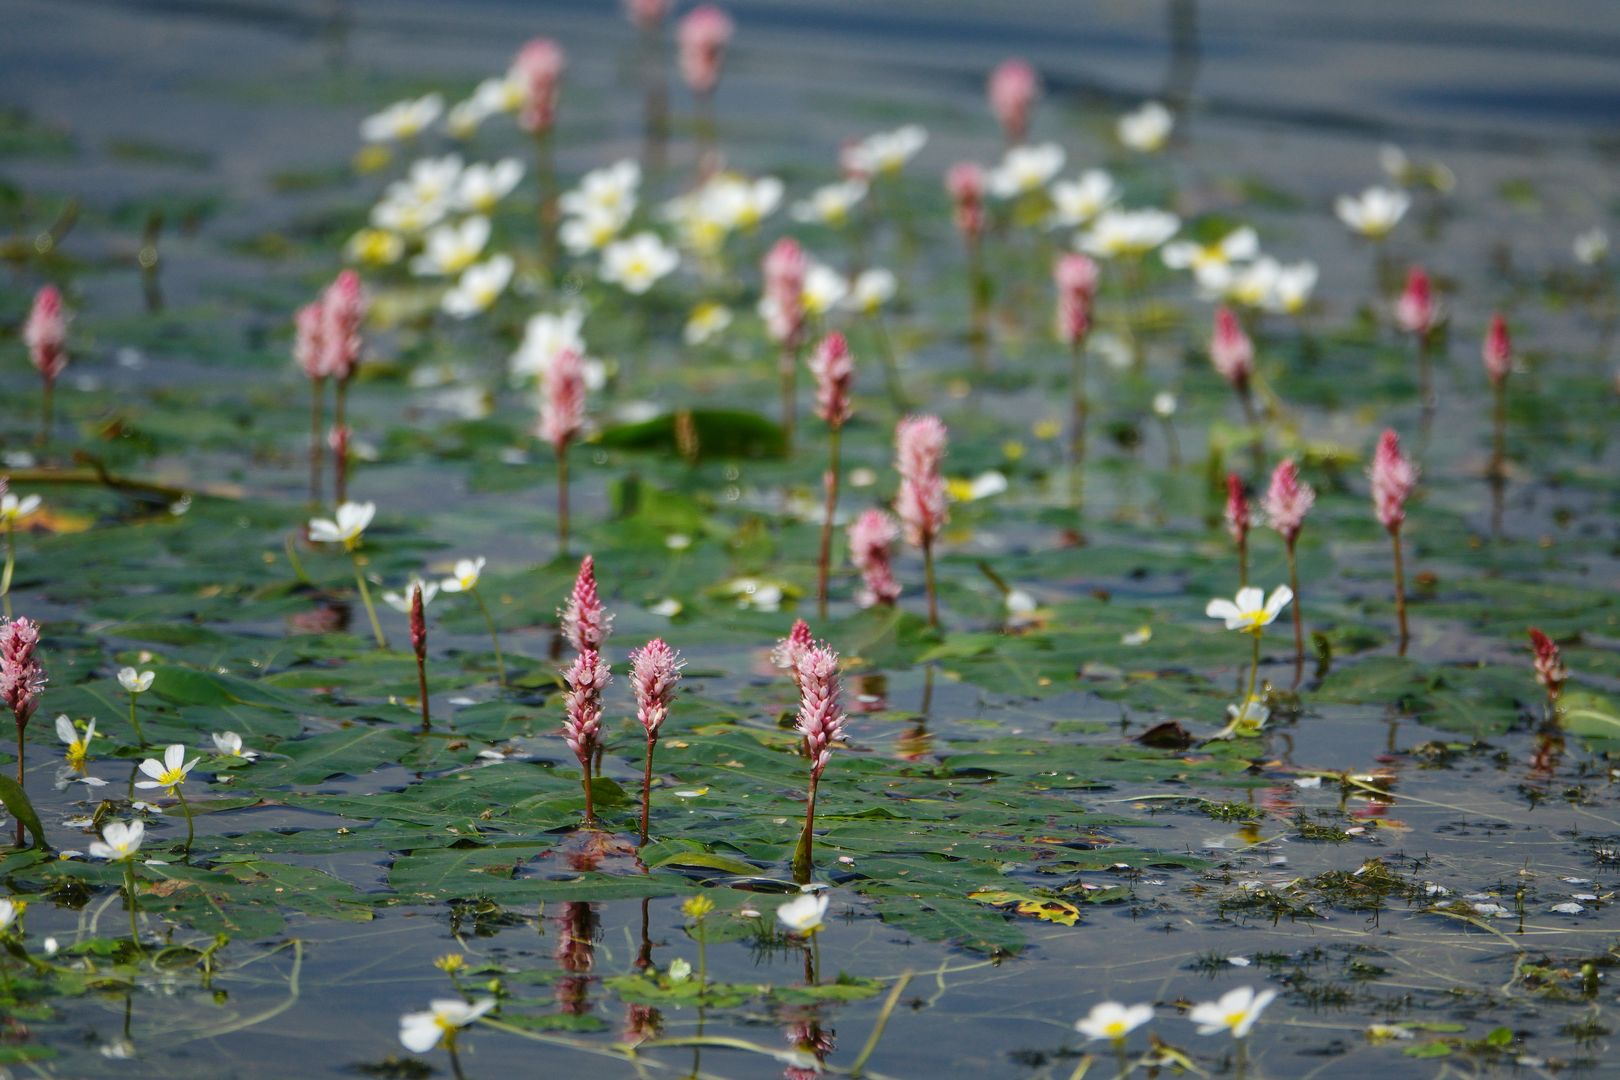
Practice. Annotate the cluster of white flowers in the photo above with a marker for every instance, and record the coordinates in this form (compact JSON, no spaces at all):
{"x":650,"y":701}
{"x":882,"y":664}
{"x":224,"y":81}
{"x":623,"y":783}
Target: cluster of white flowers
{"x":724,"y":204}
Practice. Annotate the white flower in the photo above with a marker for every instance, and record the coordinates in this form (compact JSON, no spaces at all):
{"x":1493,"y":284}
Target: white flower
{"x":14,"y":509}
{"x":589,"y":232}
{"x":668,"y":607}
{"x":464,"y":118}
{"x":119,"y":840}
{"x":78,"y":746}
{"x":10,"y":911}
{"x":870,"y":290}
{"x":1236,"y":1011}
{"x":136,"y":682}
{"x":1251,"y":611}
{"x":483,"y":185}
{"x":706,"y":322}
{"x":1374,"y":212}
{"x":1164,"y":404}
{"x":1019,"y":602}
{"x":168,"y":773}
{"x":422,"y":1031}
{"x":464,"y":578}
{"x":831,"y":204}
{"x":1592,"y":246}
{"x":1291,"y":288}
{"x":479,"y":286}
{"x":500,"y":93}
{"x":635,"y":264}
{"x":432,"y":179}
{"x":544,"y":337}
{"x":824,"y":289}
{"x":1025,"y":169}
{"x":1127,"y":232}
{"x":403,"y":211}
{"x":403,"y":119}
{"x":731,"y":201}
{"x":401,"y":601}
{"x":803,"y":914}
{"x":350,"y":522}
{"x":886,"y":151}
{"x":1113,"y":1021}
{"x":1248,"y":285}
{"x":1238,"y":245}
{"x":1147,"y":129}
{"x":229,"y":743}
{"x":1076,"y":202}
{"x":610,"y":191}
{"x":449,"y":249}
{"x":374,"y":247}
{"x":1245,"y":720}
{"x":679,"y":970}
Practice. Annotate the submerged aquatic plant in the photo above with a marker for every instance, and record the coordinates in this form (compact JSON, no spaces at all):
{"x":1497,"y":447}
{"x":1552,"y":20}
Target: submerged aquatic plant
{"x":834,"y":371}
{"x":45,"y":335}
{"x":655,"y":669}
{"x":1287,"y":501}
{"x":582,"y":720}
{"x":920,"y":504}
{"x":1393,"y":478}
{"x":346,"y":527}
{"x":821,"y":723}
{"x":1075,"y":278}
{"x":22,"y":681}
{"x":562,"y":418}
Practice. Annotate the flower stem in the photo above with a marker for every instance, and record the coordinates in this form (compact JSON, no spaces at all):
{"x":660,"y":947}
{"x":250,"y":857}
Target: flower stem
{"x":802,"y":853}
{"x":562,"y":500}
{"x":135,"y":722}
{"x":317,"y":456}
{"x":186,"y":807}
{"x":891,"y":366}
{"x":928,"y":578}
{"x":585,"y":782}
{"x":494,"y":637}
{"x":1243,"y":558}
{"x":1400,"y":587}
{"x":129,"y":902}
{"x":45,"y":413}
{"x":422,"y":692}
{"x":340,"y":458}
{"x":11,"y":565}
{"x":365,"y":598}
{"x":1254,"y":673}
{"x":830,"y":482}
{"x":646,"y":786}
{"x":787,"y":366}
{"x":1081,"y":410}
{"x":1299,"y":615}
{"x":1124,"y":1061}
{"x":21,"y":725}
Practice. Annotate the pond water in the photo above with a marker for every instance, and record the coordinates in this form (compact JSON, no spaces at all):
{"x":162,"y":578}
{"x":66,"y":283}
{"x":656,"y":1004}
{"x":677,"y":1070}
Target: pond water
{"x":1415,"y":861}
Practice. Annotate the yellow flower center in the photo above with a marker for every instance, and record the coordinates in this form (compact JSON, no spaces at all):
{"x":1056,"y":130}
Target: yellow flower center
{"x":173,"y":777}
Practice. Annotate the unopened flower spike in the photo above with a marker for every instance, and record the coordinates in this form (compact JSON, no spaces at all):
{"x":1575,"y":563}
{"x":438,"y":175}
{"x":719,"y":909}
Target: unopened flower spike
{"x":1287,"y":501}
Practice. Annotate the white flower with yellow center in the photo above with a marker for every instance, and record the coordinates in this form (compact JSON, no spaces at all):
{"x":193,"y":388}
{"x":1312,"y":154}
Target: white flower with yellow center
{"x":1025,"y":169}
{"x":1127,"y":233}
{"x":119,"y":840}
{"x":1113,"y":1021}
{"x":886,"y":151}
{"x":422,"y":1031}
{"x":136,"y":682}
{"x":547,"y":335}
{"x":824,"y":289}
{"x":403,"y":119}
{"x":450,"y":249}
{"x":1291,"y":290}
{"x":870,"y":290}
{"x":1147,"y":129}
{"x":804,"y":914}
{"x":374,"y":247}
{"x":830,"y":205}
{"x":403,"y":211}
{"x":464,"y":576}
{"x":1239,"y":245}
{"x":229,"y":743}
{"x":345,"y":527}
{"x":434,"y":178}
{"x":168,"y":773}
{"x":401,"y":601}
{"x":479,"y":286}
{"x":1252,"y":611}
{"x":14,"y":509}
{"x":464,"y":118}
{"x":637,"y":263}
{"x":593,"y":231}
{"x":1076,"y":202}
{"x":611,"y":190}
{"x":1373,"y":213}
{"x":485,"y":184}
{"x":1247,"y":286}
{"x":78,"y":745}
{"x":1236,"y":1011}
{"x":501,"y":93}
{"x":11,"y":910}
{"x":737,"y":202}
{"x":708,"y":321}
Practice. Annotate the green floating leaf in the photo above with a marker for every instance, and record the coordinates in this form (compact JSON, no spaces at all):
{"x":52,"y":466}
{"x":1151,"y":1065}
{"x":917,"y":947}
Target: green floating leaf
{"x":718,"y":433}
{"x":16,"y":801}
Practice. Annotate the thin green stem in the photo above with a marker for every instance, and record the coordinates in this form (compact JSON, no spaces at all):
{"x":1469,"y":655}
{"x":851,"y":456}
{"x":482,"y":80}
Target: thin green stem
{"x":1081,"y":411}
{"x":494,"y":637}
{"x":646,"y":786}
{"x":1400,"y":588}
{"x":1254,"y":673}
{"x":562,"y":500}
{"x":928,"y":578}
{"x":129,"y":902}
{"x":186,"y":808}
{"x":1124,"y":1061}
{"x":135,"y":721}
{"x":803,"y":854}
{"x":365,"y":598}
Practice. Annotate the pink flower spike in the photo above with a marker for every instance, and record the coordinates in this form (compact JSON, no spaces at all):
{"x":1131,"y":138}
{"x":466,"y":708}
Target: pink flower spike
{"x":655,"y":668}
{"x":587,"y":677}
{"x":965,"y":183}
{"x":538,"y":70}
{"x":1075,"y":276}
{"x":920,"y":448}
{"x":584,"y":622}
{"x":1393,"y":479}
{"x":791,"y":649}
{"x":1230,"y":349}
{"x":45,"y":333}
{"x":22,"y":677}
{"x":309,"y":326}
{"x":834,"y":370}
{"x":821,"y":717}
{"x":562,"y":399}
{"x":344,"y":305}
{"x":1498,"y":350}
{"x":1238,"y":518}
{"x":1415,"y":309}
{"x":871,"y":538}
{"x":784,"y":269}
{"x":418,"y":621}
{"x":1288,"y":500}
{"x":1550,"y":670}
{"x":701,"y":38}
{"x":1012,"y":90}
{"x":646,"y":14}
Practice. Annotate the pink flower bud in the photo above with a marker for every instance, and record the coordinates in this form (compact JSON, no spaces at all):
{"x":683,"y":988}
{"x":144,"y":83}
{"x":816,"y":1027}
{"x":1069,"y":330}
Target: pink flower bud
{"x":834,"y":371}
{"x":1238,"y":518}
{"x":1393,"y":478}
{"x":344,"y":305}
{"x":702,"y":38}
{"x":1075,"y":276}
{"x":582,"y":702}
{"x":791,"y":649}
{"x":584,"y":622}
{"x":784,"y":268}
{"x":1012,"y":89}
{"x":654,"y":670}
{"x":871,"y":536}
{"x":646,"y":14}
{"x":1550,"y":670}
{"x":45,"y":333}
{"x":418,"y":620}
{"x":821,"y":717}
{"x":337,"y":437}
{"x":920,"y":448}
{"x":965,"y":182}
{"x":22,"y":677}
{"x":308,"y":330}
{"x":1288,"y":500}
{"x":1415,"y":309}
{"x":1230,"y":349}
{"x":538,"y":70}
{"x":1498,"y":350}
{"x":562,"y":399}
